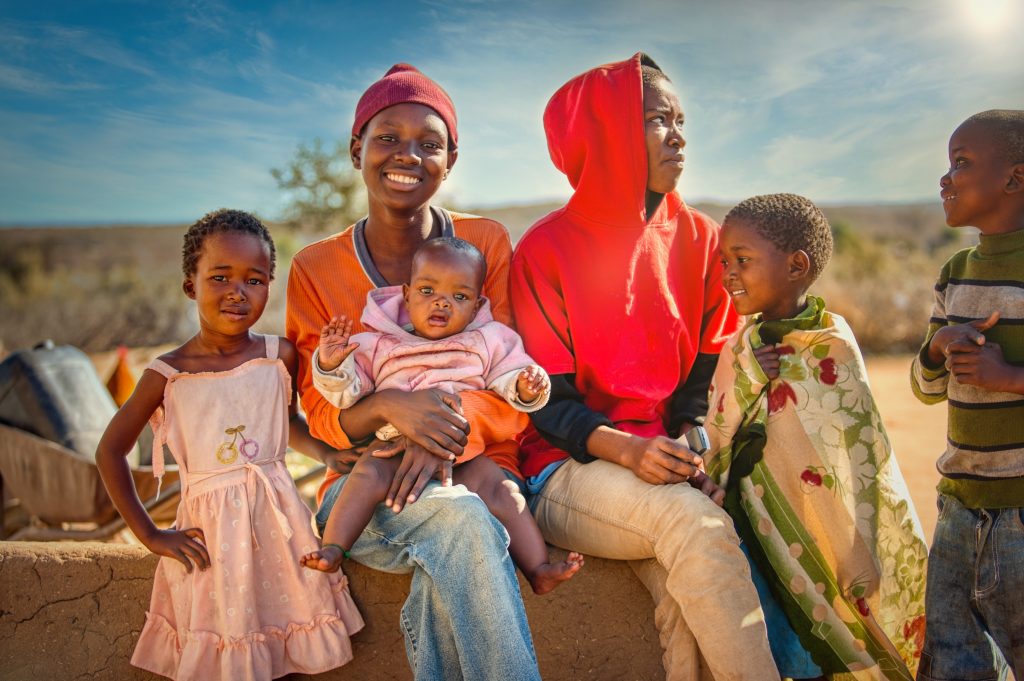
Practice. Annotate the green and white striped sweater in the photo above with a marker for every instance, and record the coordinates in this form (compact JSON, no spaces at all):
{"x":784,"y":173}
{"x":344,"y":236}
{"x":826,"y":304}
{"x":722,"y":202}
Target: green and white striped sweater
{"x":983,"y":465}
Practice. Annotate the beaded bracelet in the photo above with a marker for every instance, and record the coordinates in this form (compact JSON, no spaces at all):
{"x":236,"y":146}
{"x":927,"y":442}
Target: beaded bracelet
{"x":341,"y":548}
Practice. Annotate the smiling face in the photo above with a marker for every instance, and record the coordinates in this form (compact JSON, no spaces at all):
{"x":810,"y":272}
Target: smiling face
{"x":758,"y":275}
{"x":230,"y":284}
{"x":663,"y":134}
{"x":973,"y":190}
{"x":443,"y":293}
{"x":403,"y":155}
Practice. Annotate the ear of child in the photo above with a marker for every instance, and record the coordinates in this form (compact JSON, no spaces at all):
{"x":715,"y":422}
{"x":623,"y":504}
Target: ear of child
{"x":799,"y":266}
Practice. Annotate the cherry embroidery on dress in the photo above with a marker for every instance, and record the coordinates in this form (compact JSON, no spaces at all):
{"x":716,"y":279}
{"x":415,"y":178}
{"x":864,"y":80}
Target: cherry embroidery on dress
{"x":228,"y":452}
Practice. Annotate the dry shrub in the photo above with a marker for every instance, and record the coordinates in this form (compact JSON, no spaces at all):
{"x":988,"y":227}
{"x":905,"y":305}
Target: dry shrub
{"x":93,"y":309}
{"x":97,"y":288}
{"x":884,"y":287}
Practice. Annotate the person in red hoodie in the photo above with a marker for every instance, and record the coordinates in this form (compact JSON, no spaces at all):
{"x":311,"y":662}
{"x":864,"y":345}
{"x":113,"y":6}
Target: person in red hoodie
{"x":619,"y":296}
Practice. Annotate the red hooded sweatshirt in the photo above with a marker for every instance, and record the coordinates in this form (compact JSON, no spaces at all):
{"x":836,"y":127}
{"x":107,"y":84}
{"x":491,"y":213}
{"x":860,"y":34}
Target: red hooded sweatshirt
{"x":621,"y":302}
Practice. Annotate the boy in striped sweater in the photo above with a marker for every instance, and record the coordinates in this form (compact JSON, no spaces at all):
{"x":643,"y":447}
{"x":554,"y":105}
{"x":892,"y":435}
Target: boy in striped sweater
{"x":973,"y":357}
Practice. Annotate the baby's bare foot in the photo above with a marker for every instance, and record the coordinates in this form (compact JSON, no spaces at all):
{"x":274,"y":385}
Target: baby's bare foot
{"x":550,"y":575}
{"x":327,"y":559}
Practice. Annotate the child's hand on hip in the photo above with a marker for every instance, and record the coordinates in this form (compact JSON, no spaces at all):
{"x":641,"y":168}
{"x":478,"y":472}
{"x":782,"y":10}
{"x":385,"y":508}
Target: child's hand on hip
{"x":184,"y":546}
{"x":531,"y":384}
{"x":949,"y":339}
{"x":334,"y":345}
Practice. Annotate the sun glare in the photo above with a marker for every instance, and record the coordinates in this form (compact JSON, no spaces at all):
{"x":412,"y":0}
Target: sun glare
{"x":988,"y":16}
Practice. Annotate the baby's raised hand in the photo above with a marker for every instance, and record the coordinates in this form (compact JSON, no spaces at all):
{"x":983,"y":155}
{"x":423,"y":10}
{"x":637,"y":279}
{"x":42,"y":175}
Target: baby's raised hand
{"x":768,"y":357}
{"x":956,"y":337}
{"x":334,"y":345}
{"x":531,"y":384}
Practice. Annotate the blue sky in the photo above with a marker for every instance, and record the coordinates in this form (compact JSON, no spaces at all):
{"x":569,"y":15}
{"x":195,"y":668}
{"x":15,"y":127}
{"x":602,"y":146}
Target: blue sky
{"x":160,"y":111}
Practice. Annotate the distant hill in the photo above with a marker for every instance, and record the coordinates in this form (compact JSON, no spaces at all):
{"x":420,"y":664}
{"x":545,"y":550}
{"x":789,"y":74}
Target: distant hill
{"x":913,"y":221}
{"x":96,"y":287}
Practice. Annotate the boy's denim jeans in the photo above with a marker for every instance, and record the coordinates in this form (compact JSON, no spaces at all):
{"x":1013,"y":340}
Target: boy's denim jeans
{"x":464,"y":617}
{"x":975,"y":594}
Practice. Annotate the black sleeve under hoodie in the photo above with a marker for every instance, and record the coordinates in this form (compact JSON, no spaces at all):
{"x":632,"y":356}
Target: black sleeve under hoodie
{"x":566,"y":422}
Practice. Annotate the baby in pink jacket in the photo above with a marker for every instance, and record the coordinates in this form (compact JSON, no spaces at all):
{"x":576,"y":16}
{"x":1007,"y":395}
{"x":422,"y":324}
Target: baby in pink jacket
{"x":434,"y":332}
{"x":448,"y":348}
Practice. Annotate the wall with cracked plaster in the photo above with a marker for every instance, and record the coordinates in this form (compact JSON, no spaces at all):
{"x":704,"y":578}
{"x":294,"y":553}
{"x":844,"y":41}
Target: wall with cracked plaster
{"x":73,"y":611}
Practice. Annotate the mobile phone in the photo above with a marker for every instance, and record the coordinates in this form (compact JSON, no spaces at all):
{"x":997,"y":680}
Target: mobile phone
{"x":697,"y":439}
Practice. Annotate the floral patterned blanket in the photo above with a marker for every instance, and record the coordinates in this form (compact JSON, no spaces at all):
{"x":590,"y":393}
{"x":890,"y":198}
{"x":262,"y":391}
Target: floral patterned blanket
{"x":817,"y":496}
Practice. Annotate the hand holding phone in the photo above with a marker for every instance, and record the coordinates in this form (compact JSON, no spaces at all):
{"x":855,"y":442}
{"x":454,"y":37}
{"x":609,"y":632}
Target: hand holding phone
{"x":697,"y":439}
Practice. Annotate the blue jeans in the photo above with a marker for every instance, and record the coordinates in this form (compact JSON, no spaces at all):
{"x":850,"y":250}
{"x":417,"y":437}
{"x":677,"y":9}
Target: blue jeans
{"x":464,"y":617}
{"x":975,"y":594}
{"x":790,"y":657}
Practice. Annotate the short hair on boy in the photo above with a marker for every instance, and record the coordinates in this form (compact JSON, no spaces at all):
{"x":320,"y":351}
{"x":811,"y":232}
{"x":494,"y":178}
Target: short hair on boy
{"x":1008,"y":127}
{"x":791,"y":222}
{"x":453,"y":245}
{"x":219,"y":222}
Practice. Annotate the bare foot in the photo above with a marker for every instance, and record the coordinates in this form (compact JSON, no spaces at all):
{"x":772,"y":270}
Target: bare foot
{"x":550,"y":575}
{"x":327,"y":559}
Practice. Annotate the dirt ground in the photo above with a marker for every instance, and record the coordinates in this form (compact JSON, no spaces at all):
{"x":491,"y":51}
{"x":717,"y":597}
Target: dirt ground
{"x":917,"y":431}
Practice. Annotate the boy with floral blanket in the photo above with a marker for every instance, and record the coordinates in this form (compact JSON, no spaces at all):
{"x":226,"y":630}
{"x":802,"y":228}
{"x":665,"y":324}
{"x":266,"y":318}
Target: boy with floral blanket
{"x":836,"y":547}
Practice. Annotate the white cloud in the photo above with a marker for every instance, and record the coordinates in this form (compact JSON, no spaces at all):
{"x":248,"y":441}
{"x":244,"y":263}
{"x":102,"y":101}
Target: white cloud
{"x":93,"y":45}
{"x":841,"y":101}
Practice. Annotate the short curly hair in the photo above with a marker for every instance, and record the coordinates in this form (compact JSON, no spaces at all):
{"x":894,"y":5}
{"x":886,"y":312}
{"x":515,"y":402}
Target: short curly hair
{"x":218,"y":222}
{"x":459,"y":248}
{"x":1007,"y":125}
{"x":791,"y":222}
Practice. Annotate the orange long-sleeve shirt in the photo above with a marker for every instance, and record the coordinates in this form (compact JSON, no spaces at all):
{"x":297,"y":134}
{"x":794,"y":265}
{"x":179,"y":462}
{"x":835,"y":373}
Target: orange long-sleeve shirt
{"x":331,"y":277}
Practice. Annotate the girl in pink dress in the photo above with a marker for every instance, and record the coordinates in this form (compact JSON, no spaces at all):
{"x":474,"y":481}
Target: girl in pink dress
{"x":230,"y":600}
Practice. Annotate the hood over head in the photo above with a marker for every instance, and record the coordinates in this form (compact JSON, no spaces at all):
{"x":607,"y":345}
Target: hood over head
{"x":595,"y":130}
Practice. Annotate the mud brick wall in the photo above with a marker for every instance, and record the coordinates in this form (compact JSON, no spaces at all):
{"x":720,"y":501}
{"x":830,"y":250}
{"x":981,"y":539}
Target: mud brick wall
{"x":73,"y":611}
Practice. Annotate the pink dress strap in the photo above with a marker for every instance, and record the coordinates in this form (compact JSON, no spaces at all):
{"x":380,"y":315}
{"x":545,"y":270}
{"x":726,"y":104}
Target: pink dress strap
{"x":158,"y":423}
{"x":272,"y":343}
{"x":162,"y":368}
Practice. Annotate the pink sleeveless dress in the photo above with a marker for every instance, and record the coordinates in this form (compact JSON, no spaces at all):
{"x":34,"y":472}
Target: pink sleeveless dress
{"x":255,"y":613}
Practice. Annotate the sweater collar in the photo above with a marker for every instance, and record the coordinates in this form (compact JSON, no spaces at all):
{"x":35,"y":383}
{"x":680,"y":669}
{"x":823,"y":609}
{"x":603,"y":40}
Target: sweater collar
{"x":441,"y":216}
{"x":1001,"y":244}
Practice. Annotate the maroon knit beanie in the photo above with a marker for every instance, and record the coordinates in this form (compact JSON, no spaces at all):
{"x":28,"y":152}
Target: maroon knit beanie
{"x":404,"y":83}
